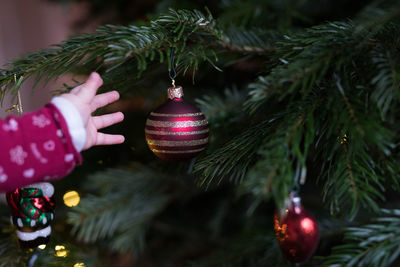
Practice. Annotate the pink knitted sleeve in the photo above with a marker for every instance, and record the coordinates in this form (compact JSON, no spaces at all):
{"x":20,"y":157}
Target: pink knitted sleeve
{"x":35,"y":147}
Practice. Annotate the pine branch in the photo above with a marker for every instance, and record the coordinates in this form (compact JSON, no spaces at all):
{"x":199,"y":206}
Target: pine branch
{"x":260,"y":158}
{"x":304,"y":60}
{"x":374,"y":244}
{"x":111,"y":47}
{"x":350,"y":140}
{"x":307,"y":58}
{"x":234,"y":158}
{"x":10,"y":253}
{"x":272,"y":175}
{"x":386,"y":80}
{"x":120,"y":212}
{"x":305,"y":71}
{"x":222,"y":109}
{"x":255,"y":248}
{"x":350,"y":170}
{"x":349,"y":106}
{"x":350,"y":174}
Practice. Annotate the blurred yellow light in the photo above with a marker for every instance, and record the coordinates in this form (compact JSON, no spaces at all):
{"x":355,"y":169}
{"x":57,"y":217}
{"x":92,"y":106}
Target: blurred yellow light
{"x":61,"y":251}
{"x":79,"y":264}
{"x":43,"y":246}
{"x":71,"y":198}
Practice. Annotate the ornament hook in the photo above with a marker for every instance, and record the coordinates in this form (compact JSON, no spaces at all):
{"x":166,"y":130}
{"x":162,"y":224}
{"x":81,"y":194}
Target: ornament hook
{"x":17,"y":106}
{"x":172,"y":67}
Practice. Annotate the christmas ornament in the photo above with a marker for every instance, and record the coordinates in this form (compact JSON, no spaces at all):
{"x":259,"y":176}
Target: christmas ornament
{"x":296,"y":231}
{"x":32,"y":210}
{"x":176,"y":130}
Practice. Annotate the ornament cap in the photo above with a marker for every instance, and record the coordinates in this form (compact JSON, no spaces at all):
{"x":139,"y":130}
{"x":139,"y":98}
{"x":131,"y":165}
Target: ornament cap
{"x":295,"y":199}
{"x":295,"y":202}
{"x":175,"y":92}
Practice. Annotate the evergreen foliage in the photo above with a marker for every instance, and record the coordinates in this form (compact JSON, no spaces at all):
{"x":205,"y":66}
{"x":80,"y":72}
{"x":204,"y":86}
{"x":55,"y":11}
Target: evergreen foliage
{"x":291,"y":99}
{"x":121,"y":216}
{"x":373,"y":244}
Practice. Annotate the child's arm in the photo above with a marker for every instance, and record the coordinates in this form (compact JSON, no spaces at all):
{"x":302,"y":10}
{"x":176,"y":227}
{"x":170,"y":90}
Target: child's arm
{"x":45,"y":144}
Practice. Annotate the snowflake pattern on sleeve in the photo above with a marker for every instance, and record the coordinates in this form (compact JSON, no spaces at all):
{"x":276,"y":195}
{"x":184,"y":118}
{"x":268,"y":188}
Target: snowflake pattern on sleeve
{"x":12,"y":125}
{"x":3,"y":176}
{"x":18,"y":155}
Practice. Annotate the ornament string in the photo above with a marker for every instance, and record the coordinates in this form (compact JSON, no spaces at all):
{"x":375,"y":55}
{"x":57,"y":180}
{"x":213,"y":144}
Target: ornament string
{"x":19,"y":108}
{"x":297,"y":176}
{"x":19,"y":105}
{"x":296,"y":187}
{"x":172,"y":67}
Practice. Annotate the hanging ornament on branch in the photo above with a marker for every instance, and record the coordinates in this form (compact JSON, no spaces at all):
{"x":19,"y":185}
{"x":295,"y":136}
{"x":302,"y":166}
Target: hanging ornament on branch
{"x":296,"y":231}
{"x":32,"y":207}
{"x":176,"y":130}
{"x":32,"y":210}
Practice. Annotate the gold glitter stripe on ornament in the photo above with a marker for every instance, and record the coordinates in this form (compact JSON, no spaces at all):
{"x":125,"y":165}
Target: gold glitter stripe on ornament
{"x":176,"y":115}
{"x":177,"y":151}
{"x":176,"y":123}
{"x":177,"y":143}
{"x":175,"y":133}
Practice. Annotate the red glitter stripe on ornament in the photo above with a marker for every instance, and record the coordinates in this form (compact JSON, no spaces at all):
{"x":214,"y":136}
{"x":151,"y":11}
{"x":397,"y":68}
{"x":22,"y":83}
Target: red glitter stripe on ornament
{"x":176,"y":124}
{"x":175,"y":143}
{"x":177,"y":129}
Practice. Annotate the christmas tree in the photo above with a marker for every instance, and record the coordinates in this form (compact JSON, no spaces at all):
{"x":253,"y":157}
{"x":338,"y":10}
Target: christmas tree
{"x":300,"y":97}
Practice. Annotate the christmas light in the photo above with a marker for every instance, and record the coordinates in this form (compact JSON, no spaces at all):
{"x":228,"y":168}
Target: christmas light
{"x":43,"y":246}
{"x":79,"y":264}
{"x":71,"y":199}
{"x":61,"y":251}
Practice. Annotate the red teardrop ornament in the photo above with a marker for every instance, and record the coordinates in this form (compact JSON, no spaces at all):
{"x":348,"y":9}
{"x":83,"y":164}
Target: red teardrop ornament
{"x":296,"y":231}
{"x":176,"y":130}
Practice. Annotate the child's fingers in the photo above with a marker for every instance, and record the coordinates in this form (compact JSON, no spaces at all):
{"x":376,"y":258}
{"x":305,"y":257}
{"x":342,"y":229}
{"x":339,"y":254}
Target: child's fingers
{"x":103,"y":100}
{"x":107,"y":120}
{"x":88,"y":90}
{"x":109,"y":139}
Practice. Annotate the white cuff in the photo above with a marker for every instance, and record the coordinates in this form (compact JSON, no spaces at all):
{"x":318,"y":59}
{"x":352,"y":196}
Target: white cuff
{"x":74,"y":121}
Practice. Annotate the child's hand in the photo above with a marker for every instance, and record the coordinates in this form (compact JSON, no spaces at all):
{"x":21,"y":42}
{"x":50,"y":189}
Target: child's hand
{"x":86,"y":101}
